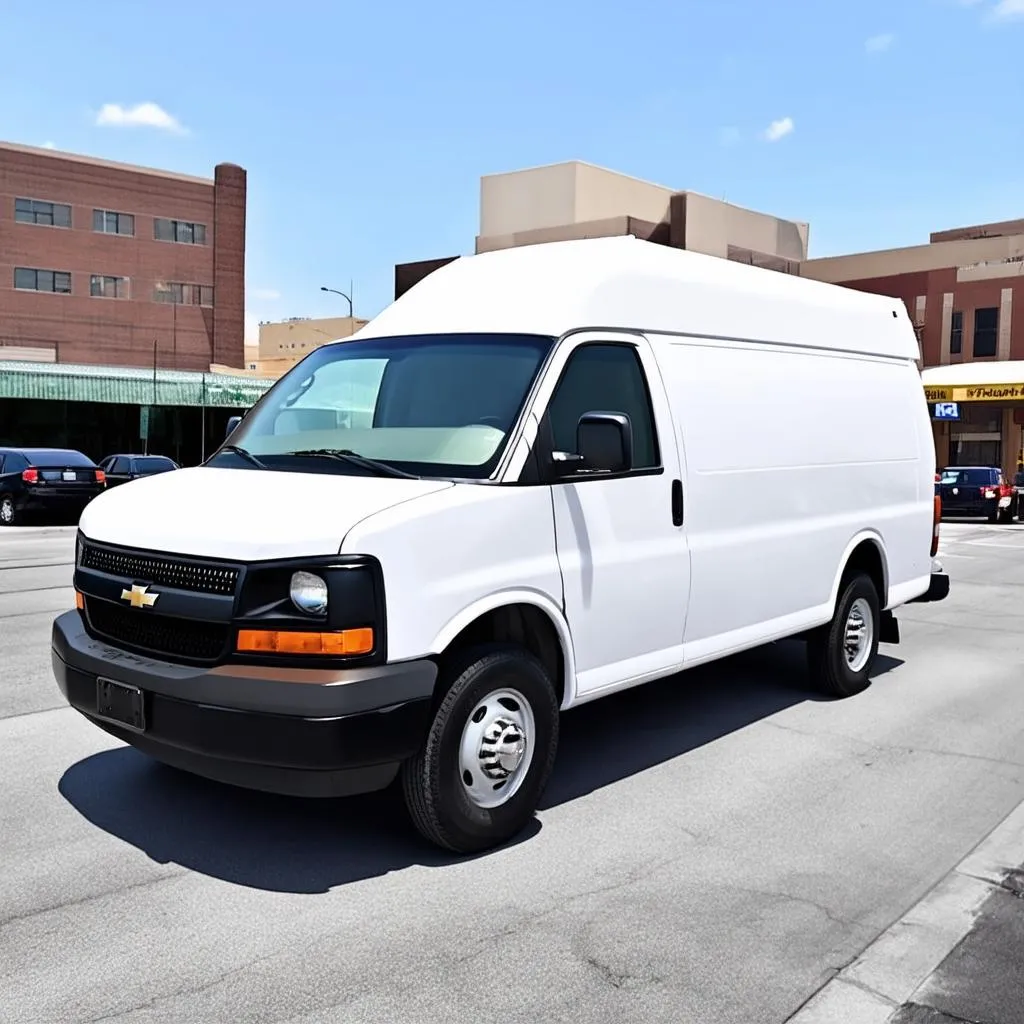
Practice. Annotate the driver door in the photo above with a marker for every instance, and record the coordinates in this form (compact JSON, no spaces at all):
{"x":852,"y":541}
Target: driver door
{"x":620,"y":538}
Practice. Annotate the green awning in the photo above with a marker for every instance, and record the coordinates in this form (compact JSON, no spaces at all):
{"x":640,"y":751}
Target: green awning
{"x":122,"y":385}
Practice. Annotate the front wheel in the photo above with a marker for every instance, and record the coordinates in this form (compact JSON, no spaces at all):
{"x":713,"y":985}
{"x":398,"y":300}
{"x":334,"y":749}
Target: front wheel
{"x":477,"y":779}
{"x":840,"y":654}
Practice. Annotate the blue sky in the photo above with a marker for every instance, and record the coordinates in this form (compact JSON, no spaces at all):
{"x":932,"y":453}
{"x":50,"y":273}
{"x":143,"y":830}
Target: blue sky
{"x":365,"y":127}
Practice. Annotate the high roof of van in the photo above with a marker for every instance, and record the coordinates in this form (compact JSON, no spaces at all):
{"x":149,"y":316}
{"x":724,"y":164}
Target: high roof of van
{"x":626,"y":282}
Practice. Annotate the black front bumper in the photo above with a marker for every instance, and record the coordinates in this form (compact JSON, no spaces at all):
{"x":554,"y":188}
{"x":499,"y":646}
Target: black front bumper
{"x":302,"y":732}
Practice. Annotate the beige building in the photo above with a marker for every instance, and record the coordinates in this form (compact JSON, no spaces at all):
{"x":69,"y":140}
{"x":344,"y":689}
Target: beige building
{"x":283,"y":343}
{"x":296,"y":337}
{"x":579,"y":200}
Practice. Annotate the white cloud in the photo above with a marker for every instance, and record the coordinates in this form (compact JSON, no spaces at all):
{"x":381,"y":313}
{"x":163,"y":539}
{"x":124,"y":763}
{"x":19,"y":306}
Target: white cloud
{"x":1007,"y":10}
{"x":142,"y":115}
{"x":49,"y":145}
{"x":877,"y":44}
{"x":264,"y":294}
{"x":779,"y":129}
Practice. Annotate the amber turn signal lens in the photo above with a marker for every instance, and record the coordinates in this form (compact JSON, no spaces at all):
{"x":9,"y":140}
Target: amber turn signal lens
{"x":266,"y":641}
{"x":79,"y":601}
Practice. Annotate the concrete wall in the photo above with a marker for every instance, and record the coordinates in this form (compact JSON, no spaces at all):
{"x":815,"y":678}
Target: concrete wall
{"x":579,"y":200}
{"x":712,"y":226}
{"x":564,"y":194}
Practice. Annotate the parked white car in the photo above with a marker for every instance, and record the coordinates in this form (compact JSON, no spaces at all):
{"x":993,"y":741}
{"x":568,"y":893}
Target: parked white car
{"x":546,"y":501}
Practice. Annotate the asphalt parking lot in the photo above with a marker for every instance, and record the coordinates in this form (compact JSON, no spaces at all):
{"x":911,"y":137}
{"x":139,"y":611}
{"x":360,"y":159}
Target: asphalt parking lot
{"x":718,"y":847}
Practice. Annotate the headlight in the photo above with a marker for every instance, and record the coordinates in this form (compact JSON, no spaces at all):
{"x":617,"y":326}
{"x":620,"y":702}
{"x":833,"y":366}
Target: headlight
{"x":309,"y":593}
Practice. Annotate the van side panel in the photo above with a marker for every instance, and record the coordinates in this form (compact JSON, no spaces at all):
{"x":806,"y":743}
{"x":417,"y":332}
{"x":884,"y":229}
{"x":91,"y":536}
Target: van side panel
{"x":791,"y":455}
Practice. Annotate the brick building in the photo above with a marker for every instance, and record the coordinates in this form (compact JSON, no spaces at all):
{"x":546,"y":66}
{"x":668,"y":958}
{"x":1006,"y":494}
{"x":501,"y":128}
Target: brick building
{"x":105,"y":263}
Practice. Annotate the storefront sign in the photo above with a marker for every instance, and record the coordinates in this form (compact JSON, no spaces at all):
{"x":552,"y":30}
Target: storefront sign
{"x":947,"y":411}
{"x":976,"y":393}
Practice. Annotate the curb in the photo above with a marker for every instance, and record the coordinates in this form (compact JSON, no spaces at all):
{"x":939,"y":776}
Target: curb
{"x":873,"y":988}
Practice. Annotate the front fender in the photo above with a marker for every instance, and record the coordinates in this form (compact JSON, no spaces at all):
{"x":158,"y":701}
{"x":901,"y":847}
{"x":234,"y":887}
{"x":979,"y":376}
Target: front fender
{"x":455,"y":625}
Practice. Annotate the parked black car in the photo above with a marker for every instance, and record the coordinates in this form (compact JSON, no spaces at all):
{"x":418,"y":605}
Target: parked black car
{"x":122,"y":468}
{"x":51,"y":480}
{"x":976,"y":491}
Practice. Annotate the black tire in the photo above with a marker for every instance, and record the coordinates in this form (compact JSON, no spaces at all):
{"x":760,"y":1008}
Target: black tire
{"x":8,"y":510}
{"x":435,"y":794}
{"x":1005,"y":515}
{"x":830,"y":671}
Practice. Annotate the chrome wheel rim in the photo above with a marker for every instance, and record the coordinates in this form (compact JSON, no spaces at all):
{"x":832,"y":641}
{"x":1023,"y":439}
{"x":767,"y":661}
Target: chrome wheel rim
{"x":496,"y":749}
{"x":859,"y":635}
{"x":6,"y":510}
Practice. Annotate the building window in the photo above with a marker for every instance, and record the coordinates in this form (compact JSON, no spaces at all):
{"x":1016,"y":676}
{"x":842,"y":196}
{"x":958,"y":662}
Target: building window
{"x":986,"y":332}
{"x":31,"y":280}
{"x":956,"y":333}
{"x":35,"y":211}
{"x":102,"y":286}
{"x":180,"y":294}
{"x":109,"y":222}
{"x":183,"y":231}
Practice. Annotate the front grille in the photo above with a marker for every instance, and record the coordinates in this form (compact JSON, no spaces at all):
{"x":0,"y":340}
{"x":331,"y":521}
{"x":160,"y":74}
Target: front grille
{"x":157,"y":634}
{"x":199,"y":577}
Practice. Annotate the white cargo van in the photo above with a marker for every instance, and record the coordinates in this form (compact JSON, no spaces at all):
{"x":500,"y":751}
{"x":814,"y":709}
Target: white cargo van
{"x":541,"y":476}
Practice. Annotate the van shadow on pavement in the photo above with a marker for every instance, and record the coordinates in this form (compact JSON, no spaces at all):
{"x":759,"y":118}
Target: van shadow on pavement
{"x":282,"y":844}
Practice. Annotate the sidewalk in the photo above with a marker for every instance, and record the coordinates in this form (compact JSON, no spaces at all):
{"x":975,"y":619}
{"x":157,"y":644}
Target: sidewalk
{"x":957,"y":956}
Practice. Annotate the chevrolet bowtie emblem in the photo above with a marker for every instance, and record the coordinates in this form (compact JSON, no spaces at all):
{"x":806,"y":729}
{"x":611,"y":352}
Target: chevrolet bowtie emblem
{"x":138,"y":597}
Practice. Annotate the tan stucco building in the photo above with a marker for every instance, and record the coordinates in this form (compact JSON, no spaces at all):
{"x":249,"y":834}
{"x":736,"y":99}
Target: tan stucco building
{"x":283,"y":343}
{"x":579,"y":200}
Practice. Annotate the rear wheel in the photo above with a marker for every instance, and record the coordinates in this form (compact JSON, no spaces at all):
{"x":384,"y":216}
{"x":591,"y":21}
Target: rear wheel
{"x":8,"y":513}
{"x":841,"y":654}
{"x":478,"y":778}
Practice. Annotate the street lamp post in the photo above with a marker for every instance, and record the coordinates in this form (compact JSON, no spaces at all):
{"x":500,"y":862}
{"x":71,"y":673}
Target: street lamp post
{"x":347,"y":298}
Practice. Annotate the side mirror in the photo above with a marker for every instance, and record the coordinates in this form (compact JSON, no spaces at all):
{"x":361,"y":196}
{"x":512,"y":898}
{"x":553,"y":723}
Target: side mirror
{"x":605,"y":440}
{"x":233,"y":422}
{"x":604,"y":444}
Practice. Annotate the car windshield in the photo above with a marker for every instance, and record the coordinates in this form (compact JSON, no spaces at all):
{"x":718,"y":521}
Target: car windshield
{"x":431,"y":405}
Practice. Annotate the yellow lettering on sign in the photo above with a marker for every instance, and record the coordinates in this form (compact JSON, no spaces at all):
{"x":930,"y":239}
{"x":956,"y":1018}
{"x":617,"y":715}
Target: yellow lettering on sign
{"x":976,"y":393}
{"x":991,"y":393}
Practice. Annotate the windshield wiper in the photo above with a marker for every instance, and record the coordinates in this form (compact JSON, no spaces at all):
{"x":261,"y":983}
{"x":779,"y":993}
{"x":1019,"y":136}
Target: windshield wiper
{"x":347,"y":455}
{"x":248,"y":456}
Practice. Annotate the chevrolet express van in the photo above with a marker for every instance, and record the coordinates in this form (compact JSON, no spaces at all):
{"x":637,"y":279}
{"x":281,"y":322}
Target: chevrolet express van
{"x":522,"y":487}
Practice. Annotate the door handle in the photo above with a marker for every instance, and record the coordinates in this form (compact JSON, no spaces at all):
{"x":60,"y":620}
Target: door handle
{"x":677,"y":502}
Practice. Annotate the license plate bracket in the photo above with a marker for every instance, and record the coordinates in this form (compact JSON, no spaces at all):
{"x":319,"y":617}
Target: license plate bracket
{"x":121,"y":704}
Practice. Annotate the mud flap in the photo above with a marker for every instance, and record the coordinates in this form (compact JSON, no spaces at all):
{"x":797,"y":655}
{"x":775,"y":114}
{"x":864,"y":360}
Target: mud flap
{"x":890,"y":629}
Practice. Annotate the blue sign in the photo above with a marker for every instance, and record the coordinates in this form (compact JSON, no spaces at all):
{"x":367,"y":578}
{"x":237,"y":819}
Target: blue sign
{"x":947,"y":410}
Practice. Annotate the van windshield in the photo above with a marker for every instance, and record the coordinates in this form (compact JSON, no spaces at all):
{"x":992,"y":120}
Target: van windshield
{"x":431,"y":405}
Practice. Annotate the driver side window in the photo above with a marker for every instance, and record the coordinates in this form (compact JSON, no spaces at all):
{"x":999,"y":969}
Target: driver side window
{"x":605,"y":378}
